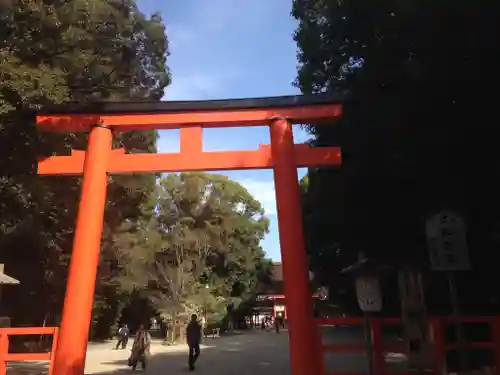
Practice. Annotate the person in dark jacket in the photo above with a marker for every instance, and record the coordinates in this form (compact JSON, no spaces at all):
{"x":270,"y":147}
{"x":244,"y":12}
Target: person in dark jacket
{"x":193,"y":335}
{"x":277,"y":324}
{"x":123,"y":335}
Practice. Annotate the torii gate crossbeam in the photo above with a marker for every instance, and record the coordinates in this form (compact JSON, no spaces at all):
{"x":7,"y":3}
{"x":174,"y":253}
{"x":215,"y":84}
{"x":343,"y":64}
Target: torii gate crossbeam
{"x":102,"y":119}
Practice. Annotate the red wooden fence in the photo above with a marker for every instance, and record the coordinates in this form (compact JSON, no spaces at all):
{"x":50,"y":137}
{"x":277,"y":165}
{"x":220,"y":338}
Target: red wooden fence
{"x":5,"y":356}
{"x":440,"y":347}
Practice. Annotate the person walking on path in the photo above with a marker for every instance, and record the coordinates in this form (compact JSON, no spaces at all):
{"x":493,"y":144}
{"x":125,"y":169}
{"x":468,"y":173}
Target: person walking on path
{"x":123,"y":334}
{"x":277,"y":324}
{"x":193,"y":335}
{"x":140,"y":348}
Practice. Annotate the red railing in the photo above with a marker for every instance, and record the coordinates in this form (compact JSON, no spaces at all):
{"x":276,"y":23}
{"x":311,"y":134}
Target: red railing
{"x":379,"y":348}
{"x":5,"y":356}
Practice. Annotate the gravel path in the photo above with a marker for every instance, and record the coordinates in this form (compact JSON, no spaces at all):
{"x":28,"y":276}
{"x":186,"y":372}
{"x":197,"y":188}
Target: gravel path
{"x":251,"y":353}
{"x":262,"y":353}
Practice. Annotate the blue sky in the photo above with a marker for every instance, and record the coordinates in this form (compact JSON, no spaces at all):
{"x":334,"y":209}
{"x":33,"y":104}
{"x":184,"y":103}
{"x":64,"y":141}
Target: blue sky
{"x":231,"y":49}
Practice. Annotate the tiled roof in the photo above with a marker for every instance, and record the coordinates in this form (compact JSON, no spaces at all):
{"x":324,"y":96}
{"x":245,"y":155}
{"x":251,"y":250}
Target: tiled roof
{"x":4,"y":279}
{"x":277,"y":272}
{"x":276,"y":285}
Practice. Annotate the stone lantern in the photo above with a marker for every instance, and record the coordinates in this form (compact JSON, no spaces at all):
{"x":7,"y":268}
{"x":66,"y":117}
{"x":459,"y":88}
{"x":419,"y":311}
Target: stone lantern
{"x":366,"y":274}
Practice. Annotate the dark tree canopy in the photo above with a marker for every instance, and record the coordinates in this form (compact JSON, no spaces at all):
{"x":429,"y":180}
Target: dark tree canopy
{"x":416,"y":133}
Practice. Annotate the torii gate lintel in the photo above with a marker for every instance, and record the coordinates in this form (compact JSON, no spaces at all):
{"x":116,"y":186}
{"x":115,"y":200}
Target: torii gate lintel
{"x":189,"y":159}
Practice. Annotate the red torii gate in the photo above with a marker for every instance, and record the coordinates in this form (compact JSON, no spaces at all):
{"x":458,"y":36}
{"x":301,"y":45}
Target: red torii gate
{"x":102,"y":119}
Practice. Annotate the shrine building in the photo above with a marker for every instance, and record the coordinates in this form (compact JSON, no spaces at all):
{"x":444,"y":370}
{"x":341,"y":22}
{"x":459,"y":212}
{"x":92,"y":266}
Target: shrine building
{"x":270,"y":301}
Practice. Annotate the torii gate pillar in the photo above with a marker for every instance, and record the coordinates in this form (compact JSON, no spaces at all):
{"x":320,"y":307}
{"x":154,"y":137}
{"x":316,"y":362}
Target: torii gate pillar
{"x":69,"y":358}
{"x":303,"y":346}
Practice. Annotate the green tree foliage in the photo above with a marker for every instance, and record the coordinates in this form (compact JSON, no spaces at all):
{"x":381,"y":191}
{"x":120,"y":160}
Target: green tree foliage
{"x":53,"y":52}
{"x":199,"y":246}
{"x":415,"y":132}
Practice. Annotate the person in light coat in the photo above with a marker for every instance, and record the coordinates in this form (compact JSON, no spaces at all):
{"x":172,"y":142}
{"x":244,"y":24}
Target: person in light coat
{"x":141,"y":349}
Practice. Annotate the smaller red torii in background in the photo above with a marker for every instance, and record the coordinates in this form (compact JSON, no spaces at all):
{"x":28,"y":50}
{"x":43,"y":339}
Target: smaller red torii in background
{"x":102,"y":119}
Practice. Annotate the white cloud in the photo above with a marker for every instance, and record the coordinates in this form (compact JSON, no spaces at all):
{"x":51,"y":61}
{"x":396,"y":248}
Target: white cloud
{"x":179,"y":34}
{"x":196,"y":85}
{"x":263,"y":191}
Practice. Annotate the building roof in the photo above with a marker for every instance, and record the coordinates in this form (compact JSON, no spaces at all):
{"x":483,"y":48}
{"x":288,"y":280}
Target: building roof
{"x":5,"y":279}
{"x":276,"y":284}
{"x":277,"y":272}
